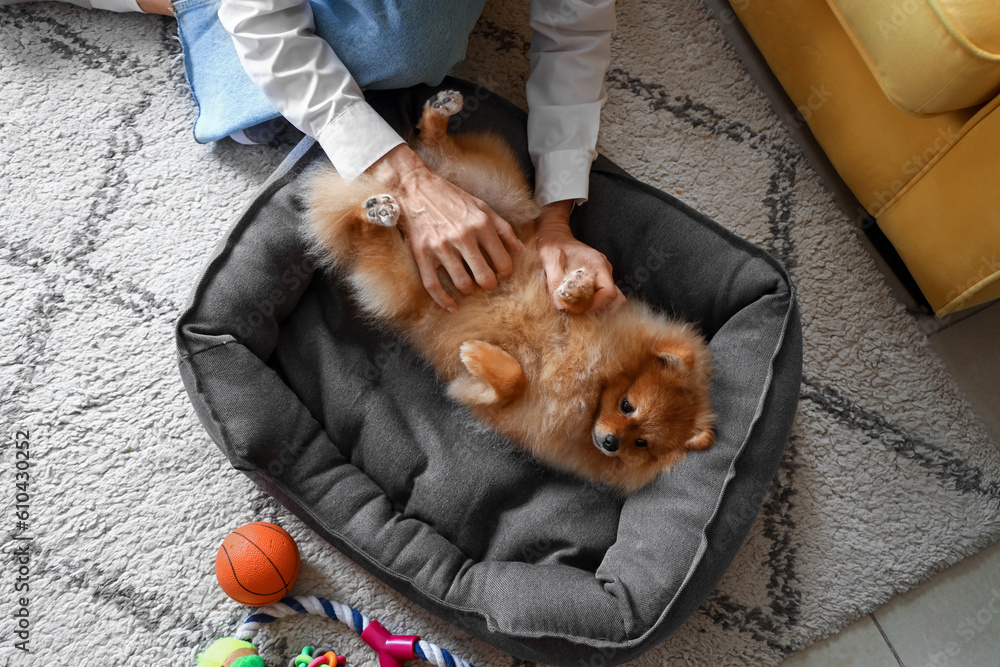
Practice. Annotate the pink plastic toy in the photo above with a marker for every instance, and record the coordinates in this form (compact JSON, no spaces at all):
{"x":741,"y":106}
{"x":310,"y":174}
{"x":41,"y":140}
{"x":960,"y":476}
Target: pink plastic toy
{"x":392,"y":649}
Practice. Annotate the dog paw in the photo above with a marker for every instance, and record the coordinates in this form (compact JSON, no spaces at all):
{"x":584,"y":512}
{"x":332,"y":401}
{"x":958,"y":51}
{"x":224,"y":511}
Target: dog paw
{"x":382,"y":210}
{"x":446,"y":102}
{"x":496,"y":368}
{"x":471,"y":390}
{"x":473,"y":353}
{"x":576,"y":292}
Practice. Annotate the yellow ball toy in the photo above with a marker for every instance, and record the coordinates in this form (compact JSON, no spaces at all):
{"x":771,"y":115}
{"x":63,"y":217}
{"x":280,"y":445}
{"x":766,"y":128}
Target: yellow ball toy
{"x":230,"y":652}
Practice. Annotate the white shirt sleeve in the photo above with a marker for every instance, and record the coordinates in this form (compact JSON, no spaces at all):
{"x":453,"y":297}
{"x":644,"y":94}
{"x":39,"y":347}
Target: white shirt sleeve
{"x":305,"y":80}
{"x":570,"y":54}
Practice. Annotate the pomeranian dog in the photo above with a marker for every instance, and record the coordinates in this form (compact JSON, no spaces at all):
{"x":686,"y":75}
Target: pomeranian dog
{"x":616,"y":397}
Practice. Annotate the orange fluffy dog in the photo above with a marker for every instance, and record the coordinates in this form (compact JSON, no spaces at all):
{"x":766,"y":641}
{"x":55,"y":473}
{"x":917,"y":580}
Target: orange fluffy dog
{"x":616,"y":397}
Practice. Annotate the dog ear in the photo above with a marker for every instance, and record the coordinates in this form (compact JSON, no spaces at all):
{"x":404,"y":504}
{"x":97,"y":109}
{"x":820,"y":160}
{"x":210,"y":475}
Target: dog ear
{"x":704,"y":440}
{"x":675,"y":355}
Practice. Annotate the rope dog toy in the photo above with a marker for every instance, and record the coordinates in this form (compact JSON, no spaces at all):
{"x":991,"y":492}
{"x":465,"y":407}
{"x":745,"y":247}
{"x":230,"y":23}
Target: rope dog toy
{"x":392,"y":650}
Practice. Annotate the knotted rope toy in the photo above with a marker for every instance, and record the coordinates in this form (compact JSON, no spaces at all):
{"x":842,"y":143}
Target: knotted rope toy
{"x":392,"y":650}
{"x":319,"y":657}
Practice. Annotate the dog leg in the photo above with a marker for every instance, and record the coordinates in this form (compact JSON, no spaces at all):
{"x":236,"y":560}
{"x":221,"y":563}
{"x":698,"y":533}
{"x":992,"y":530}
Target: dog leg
{"x":433,"y":123}
{"x":576,"y":293}
{"x":497,"y":378}
{"x":382,"y":271}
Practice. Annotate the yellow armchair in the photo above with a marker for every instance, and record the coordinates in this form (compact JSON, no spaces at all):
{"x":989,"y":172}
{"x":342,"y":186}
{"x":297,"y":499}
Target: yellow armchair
{"x":903,"y":99}
{"x":928,"y":56}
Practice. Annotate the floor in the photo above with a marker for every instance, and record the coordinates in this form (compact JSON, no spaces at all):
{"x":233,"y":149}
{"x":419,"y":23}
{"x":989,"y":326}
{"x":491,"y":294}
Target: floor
{"x":953,"y":620}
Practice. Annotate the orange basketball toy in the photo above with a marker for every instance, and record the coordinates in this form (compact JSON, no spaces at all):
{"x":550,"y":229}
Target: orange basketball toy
{"x":257,"y":564}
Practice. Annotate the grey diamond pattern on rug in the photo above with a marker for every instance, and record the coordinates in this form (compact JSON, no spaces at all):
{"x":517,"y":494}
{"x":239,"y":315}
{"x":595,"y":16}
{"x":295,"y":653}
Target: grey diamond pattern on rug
{"x":110,"y":208}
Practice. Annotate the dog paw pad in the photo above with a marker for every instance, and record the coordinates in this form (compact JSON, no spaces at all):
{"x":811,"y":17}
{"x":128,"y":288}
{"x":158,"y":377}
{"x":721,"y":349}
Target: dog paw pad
{"x":577,"y":287}
{"x":382,"y":210}
{"x":447,"y":102}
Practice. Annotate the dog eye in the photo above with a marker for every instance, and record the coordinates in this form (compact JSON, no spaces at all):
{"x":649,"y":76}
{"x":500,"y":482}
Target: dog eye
{"x":641,"y":443}
{"x":626,"y":407}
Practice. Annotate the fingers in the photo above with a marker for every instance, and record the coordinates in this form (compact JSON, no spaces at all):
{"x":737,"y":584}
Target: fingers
{"x":504,"y":230}
{"x":618,"y":302}
{"x":489,"y":240}
{"x":554,"y":266}
{"x":451,"y":261}
{"x":429,"y":277}
{"x":458,"y":258}
{"x":482,"y":231}
{"x":555,"y":261}
{"x":606,"y":293}
{"x":481,"y":271}
{"x":451,"y":230}
{"x":482,"y":274}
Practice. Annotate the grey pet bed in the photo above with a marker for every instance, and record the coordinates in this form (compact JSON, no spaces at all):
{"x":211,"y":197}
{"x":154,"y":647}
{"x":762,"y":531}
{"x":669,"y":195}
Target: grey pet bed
{"x":354,"y":434}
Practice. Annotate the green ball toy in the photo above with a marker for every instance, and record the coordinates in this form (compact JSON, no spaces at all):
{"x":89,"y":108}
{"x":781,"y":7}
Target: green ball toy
{"x":231,"y":653}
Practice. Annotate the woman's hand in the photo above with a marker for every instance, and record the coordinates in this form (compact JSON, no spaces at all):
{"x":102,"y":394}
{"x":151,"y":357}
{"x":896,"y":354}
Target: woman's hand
{"x":446,"y":226}
{"x":559,"y":249}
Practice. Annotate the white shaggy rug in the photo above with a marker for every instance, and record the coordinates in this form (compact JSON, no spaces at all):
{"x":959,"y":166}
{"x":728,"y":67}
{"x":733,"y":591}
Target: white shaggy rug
{"x":109,"y":208}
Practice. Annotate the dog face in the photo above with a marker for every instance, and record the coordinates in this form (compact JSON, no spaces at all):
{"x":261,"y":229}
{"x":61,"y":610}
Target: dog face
{"x":650,"y":416}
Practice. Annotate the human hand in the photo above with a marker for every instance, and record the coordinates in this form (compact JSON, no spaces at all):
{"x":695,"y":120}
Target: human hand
{"x":445,"y":226}
{"x":558,"y":250}
{"x":162,"y":7}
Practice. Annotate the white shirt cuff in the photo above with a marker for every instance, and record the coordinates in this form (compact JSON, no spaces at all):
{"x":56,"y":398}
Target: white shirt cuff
{"x":563,"y":175}
{"x":356,"y":138}
{"x":116,"y":5}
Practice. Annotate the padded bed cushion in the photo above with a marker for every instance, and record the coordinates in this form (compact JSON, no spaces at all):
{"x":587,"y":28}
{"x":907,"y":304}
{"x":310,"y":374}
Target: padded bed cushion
{"x":353,"y":433}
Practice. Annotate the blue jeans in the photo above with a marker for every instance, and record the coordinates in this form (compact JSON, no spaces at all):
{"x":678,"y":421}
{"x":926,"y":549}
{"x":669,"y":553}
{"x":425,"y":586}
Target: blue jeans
{"x":383,"y":43}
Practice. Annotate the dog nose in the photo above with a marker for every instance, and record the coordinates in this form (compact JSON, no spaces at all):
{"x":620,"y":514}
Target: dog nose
{"x":610,"y":443}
